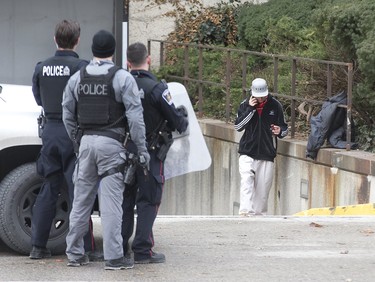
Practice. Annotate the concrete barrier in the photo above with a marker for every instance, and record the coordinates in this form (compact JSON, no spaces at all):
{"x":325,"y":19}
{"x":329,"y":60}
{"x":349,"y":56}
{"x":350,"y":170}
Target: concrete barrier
{"x":336,"y":178}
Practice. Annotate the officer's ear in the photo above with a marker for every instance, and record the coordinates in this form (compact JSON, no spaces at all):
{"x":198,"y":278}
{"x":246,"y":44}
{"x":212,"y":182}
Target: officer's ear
{"x":148,"y":59}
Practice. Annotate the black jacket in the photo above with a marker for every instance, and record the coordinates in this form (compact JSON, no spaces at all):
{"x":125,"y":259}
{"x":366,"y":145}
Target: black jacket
{"x":158,"y":104}
{"x":257,"y":141}
{"x":329,"y":123}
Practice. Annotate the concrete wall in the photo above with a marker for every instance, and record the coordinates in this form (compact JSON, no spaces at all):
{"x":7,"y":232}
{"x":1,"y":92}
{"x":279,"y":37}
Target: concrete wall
{"x":336,"y":178}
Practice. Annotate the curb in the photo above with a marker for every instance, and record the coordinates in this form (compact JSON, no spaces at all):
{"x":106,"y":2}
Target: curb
{"x":365,"y":209}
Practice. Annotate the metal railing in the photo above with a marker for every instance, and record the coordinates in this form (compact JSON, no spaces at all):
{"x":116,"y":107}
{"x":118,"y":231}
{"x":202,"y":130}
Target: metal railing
{"x":225,"y":83}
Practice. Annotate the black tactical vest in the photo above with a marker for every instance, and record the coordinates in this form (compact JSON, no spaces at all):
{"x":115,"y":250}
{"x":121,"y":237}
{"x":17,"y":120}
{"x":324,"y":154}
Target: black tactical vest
{"x":97,"y":105}
{"x":55,"y":72}
{"x":153,"y":118}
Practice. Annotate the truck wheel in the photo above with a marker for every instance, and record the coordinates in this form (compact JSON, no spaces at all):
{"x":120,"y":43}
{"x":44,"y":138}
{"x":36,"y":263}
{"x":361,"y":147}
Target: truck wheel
{"x":18,"y":192}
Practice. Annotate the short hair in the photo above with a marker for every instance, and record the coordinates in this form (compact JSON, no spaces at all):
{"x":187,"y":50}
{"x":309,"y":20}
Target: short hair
{"x":67,"y":34}
{"x":137,"y":54}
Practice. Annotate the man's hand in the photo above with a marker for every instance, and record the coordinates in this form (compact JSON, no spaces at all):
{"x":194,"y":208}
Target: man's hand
{"x":275,"y":129}
{"x":253,"y":101}
{"x":182,"y":110}
{"x":144,"y":159}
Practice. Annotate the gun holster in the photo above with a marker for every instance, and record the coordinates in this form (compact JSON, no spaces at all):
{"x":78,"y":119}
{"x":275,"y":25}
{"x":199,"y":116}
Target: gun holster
{"x":41,"y":123}
{"x":130,"y":169}
{"x":77,"y":134}
{"x":161,"y":141}
{"x":164,"y":147}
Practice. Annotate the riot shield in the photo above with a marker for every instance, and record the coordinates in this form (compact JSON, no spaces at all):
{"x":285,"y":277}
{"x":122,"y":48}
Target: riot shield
{"x":189,"y":151}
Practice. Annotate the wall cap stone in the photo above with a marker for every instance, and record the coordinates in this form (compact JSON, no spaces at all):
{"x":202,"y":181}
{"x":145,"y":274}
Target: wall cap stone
{"x":356,"y":161}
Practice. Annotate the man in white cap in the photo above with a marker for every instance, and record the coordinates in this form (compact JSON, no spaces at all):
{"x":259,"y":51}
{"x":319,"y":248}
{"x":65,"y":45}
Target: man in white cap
{"x":262,"y":118}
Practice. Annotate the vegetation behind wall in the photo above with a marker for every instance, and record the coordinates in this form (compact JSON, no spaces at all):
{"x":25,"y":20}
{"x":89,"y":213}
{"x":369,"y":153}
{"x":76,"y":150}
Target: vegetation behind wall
{"x":341,"y":30}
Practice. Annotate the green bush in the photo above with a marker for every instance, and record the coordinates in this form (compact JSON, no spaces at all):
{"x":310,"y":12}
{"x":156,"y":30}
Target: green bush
{"x":255,"y":20}
{"x":212,"y":25}
{"x":336,"y":30}
{"x":213,"y":70}
{"x":348,"y":30}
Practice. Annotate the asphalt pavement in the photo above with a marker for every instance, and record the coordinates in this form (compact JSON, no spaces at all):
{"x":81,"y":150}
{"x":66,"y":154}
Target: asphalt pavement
{"x":215,"y":248}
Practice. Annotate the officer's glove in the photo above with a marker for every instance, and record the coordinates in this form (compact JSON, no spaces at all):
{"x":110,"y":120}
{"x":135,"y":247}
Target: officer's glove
{"x":144,"y":160}
{"x":182,"y":110}
{"x":183,"y":125}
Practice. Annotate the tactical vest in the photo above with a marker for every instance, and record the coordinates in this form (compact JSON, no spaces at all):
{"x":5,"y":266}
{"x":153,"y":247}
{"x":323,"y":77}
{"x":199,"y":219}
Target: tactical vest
{"x":97,"y":105}
{"x":55,"y":72}
{"x":153,"y":118}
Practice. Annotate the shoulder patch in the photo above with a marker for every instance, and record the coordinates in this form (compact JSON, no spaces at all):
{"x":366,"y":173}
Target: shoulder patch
{"x":167,"y":97}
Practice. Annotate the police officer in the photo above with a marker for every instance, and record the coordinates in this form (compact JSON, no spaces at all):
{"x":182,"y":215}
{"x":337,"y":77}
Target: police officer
{"x":57,"y":158}
{"x":102,"y":100}
{"x":161,"y":118}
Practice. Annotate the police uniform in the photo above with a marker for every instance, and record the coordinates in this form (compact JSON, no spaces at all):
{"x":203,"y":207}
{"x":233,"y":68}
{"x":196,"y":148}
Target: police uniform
{"x":57,"y":158}
{"x":146,"y":192}
{"x":88,"y":101}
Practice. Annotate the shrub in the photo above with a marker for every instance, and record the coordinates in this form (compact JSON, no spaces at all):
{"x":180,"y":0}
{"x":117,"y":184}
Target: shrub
{"x":336,"y":30}
{"x":255,"y":20}
{"x":348,"y":30}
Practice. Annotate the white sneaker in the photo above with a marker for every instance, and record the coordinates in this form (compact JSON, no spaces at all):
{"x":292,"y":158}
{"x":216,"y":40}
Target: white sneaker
{"x":244,"y":213}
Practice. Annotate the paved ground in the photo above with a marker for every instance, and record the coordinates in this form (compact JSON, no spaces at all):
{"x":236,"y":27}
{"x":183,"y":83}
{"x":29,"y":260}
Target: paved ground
{"x":230,"y":249}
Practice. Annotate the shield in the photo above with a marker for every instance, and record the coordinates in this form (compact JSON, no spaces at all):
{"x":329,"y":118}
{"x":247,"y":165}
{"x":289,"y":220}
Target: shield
{"x":189,"y":151}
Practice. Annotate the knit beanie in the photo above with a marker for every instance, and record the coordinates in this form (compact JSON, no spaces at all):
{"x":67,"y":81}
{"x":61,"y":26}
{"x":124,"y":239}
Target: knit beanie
{"x":103,"y":44}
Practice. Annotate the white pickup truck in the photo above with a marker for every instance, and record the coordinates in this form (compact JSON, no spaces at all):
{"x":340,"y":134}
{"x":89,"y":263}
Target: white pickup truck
{"x":19,"y":182}
{"x":19,"y":149}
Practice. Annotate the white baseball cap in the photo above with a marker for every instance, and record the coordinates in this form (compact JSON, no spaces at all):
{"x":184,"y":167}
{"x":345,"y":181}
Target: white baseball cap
{"x":259,"y":88}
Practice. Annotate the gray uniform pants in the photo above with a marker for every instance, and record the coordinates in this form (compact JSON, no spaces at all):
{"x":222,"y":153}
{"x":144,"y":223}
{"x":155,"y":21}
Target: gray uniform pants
{"x":97,"y":154}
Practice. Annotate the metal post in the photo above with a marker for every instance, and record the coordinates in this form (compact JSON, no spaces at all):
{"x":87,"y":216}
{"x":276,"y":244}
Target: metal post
{"x":293,"y":106}
{"x":244,"y":74}
{"x":349,"y":107}
{"x":227,"y":85}
{"x":161,"y":62}
{"x":200,"y":85}
{"x":125,"y":32}
{"x":275,"y":74}
{"x":329,"y":80}
{"x":186,"y":65}
{"x":149,"y":48}
{"x":119,"y":13}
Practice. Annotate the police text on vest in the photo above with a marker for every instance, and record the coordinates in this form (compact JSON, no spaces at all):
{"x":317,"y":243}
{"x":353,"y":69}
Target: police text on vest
{"x":56,"y":71}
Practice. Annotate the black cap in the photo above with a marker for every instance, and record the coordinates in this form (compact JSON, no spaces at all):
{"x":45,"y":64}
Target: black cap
{"x":103,"y":44}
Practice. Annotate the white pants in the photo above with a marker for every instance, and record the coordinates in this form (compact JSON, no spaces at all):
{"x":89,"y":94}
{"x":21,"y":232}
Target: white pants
{"x":256,"y":182}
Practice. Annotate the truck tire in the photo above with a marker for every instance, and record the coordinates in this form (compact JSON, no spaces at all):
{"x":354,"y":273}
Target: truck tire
{"x":18,"y":192}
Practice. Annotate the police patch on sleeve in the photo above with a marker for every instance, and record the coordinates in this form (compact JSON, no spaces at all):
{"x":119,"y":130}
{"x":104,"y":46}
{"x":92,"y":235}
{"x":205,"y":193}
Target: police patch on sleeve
{"x":167,"y":97}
